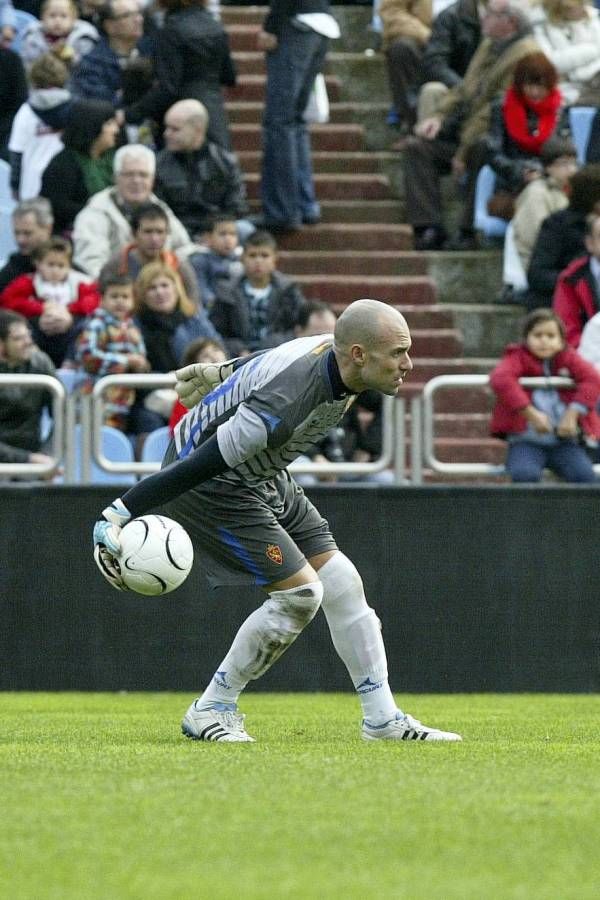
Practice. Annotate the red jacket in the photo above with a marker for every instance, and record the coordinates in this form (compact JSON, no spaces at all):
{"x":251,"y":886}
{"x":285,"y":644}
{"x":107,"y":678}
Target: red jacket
{"x":576,"y":298}
{"x":20,"y":296}
{"x":512,"y":397}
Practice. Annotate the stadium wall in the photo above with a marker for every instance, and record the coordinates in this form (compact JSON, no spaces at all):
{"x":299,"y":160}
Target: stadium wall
{"x":478,"y":589}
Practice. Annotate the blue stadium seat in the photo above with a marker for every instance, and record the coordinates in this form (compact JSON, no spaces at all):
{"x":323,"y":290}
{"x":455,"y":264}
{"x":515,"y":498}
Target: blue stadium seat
{"x":490,"y":226}
{"x":7,"y":239}
{"x":156,"y":444}
{"x":5,"y":192}
{"x":23,"y":21}
{"x":580,"y":121}
{"x":117,"y":447}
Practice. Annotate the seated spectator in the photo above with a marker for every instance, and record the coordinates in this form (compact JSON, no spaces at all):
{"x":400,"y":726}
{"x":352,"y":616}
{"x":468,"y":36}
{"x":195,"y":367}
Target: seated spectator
{"x":527,"y":116}
{"x":542,"y":425}
{"x":202,"y":350}
{"x":111,"y":344}
{"x":561,"y":237}
{"x":455,"y":36}
{"x":192,"y":61}
{"x":260,"y":308}
{"x":197,"y":178}
{"x":568,"y":31}
{"x":32,"y":222}
{"x":578,"y":287}
{"x":169,"y":320}
{"x":7,"y":23}
{"x":104,"y":224}
{"x":315,"y":317}
{"x":21,"y":406}
{"x":85,"y":164}
{"x":59,"y":31}
{"x":119,"y":68}
{"x":36,"y":134}
{"x":150,"y":231}
{"x":406,"y":30}
{"x":220,"y":261}
{"x":454,"y":140}
{"x":13,"y":93}
{"x":545,"y":195}
{"x":56,"y":298}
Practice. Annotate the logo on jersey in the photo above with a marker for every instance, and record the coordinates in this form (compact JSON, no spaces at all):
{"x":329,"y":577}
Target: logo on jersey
{"x":274,"y":553}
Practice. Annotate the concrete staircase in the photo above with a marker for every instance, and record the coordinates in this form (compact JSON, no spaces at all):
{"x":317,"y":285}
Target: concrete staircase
{"x":362,"y":247}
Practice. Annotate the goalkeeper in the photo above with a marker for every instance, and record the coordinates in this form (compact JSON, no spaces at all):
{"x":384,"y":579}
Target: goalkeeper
{"x":225,"y":479}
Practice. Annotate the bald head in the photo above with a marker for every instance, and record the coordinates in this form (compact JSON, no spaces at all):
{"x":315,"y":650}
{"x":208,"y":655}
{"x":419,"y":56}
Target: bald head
{"x":185,"y":126}
{"x":371,"y":344}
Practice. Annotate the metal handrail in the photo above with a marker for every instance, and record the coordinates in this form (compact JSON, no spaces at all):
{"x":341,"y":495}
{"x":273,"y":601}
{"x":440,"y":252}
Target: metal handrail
{"x":52,"y":384}
{"x":392,"y":428}
{"x":441,"y":382}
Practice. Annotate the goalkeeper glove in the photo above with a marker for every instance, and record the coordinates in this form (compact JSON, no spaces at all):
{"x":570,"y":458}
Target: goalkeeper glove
{"x":196,"y":381}
{"x":106,"y":542}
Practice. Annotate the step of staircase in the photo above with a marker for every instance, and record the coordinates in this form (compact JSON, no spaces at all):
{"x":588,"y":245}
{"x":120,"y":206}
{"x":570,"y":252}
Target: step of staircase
{"x":253,"y":62}
{"x":348,"y":236}
{"x":459,"y":401}
{"x":356,"y":212}
{"x":251,"y":112}
{"x":327,"y":138}
{"x":249,"y":15}
{"x":352,"y":262}
{"x":440,"y":343}
{"x":252,"y":87}
{"x":395,"y":289}
{"x":452,"y":425}
{"x":353,"y":163}
{"x":336,"y":187}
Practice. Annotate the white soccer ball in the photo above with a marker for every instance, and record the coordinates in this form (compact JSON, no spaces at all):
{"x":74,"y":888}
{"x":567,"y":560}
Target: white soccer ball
{"x":156,"y":555}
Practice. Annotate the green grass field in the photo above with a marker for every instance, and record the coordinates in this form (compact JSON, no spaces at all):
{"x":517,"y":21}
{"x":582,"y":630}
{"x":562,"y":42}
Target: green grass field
{"x":101,"y":797}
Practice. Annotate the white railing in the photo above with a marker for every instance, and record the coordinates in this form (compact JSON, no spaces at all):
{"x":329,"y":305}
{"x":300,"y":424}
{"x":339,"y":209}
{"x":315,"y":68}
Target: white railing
{"x":47,"y":383}
{"x":444,"y":382}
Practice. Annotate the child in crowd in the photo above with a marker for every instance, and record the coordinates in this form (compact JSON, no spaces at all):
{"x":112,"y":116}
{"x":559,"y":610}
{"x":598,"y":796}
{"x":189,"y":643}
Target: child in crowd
{"x":60,"y":31}
{"x":111,"y":344}
{"x":202,"y":350}
{"x":544,"y":426}
{"x":222,"y":259}
{"x":35,"y":136}
{"x":56,"y":298}
{"x":260,"y":308}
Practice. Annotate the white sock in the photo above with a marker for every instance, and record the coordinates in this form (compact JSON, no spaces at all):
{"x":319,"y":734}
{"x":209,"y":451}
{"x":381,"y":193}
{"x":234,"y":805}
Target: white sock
{"x":262,"y":639}
{"x":356,"y":635}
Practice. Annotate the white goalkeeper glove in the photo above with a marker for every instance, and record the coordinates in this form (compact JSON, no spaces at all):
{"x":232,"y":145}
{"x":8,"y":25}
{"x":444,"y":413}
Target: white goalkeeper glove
{"x":196,"y":381}
{"x":106,"y":542}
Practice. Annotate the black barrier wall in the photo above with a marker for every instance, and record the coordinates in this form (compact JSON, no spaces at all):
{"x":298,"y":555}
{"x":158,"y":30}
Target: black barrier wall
{"x":491,"y":589}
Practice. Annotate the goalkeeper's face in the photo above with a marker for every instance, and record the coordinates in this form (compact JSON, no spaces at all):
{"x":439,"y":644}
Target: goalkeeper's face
{"x":386,"y":363}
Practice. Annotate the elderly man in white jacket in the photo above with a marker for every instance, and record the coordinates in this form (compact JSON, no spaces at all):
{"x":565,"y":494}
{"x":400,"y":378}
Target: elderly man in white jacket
{"x":568,"y":31}
{"x":102,"y":227}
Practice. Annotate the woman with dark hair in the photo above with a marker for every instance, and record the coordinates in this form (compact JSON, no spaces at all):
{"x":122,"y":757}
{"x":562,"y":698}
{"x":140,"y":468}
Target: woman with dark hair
{"x":529,"y":113}
{"x":85,"y":166}
{"x":192,"y":61}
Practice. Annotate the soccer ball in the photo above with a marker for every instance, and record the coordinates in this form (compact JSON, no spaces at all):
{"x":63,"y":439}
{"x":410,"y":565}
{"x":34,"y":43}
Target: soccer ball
{"x":156,"y":555}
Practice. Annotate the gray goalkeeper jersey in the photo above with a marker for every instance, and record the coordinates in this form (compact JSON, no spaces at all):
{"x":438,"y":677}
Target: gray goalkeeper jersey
{"x":272,"y":408}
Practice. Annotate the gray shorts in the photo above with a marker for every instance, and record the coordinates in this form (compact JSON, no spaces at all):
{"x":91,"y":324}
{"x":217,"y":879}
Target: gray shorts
{"x":250,"y":534}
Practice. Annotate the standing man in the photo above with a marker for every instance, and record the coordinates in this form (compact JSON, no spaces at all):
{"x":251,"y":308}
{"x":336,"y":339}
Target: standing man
{"x":295,"y":37}
{"x":226,"y":480}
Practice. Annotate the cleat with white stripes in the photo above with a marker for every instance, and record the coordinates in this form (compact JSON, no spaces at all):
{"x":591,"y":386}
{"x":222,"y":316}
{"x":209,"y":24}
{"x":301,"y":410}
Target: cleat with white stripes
{"x":405,"y":728}
{"x":221,"y":722}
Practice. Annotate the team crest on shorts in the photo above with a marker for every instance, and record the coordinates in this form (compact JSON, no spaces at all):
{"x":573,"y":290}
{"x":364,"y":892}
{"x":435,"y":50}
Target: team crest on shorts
{"x":274,"y":553}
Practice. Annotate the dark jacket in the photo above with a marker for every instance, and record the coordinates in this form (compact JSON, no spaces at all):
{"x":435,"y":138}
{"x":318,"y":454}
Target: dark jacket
{"x":512,"y":398}
{"x":200,"y":184}
{"x":231,"y":313}
{"x":281,"y":11}
{"x":192,"y":62}
{"x":20,"y":410}
{"x":99,"y":74}
{"x":455,"y":36}
{"x":16,"y":264}
{"x":64,"y":186}
{"x":576,"y":298}
{"x":13,"y":93}
{"x":167,"y":336}
{"x":559,"y":242}
{"x":508,"y":160}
